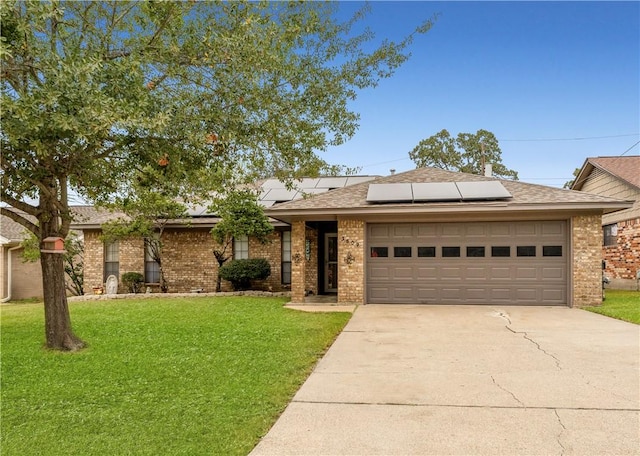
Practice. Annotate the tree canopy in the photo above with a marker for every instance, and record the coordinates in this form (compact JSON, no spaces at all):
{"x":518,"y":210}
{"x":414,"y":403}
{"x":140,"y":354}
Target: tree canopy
{"x":467,"y":153}
{"x":240,"y":215}
{"x":207,"y":93}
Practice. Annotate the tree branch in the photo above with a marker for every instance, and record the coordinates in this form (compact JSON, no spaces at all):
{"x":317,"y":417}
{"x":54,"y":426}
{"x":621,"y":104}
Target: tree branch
{"x":16,"y":217}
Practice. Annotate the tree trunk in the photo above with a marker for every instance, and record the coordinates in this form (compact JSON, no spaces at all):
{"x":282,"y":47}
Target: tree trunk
{"x":59,"y":335}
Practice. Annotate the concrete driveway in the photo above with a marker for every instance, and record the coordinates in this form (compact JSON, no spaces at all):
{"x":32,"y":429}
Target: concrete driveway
{"x":469,"y":380}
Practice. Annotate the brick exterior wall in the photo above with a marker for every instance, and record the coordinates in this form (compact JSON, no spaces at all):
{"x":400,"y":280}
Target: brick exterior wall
{"x":623,"y":259}
{"x":298,"y":263}
{"x":587,"y":260}
{"x":188,"y":260}
{"x":272,"y":251}
{"x":311,"y":268}
{"x":351,"y":261}
{"x":93,"y":260}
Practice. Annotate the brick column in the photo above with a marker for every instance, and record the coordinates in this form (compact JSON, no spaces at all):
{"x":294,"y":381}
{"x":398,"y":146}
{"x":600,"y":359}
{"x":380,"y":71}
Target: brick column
{"x":351,"y":261}
{"x":298,"y":263}
{"x":586,"y":243}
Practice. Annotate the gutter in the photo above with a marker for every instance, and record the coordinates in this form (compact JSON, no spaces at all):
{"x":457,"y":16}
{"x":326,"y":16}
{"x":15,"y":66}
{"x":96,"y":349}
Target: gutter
{"x":8,"y":298}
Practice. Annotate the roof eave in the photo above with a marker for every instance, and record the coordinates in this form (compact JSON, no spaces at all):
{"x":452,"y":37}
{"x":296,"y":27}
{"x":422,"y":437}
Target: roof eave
{"x":451,"y":209}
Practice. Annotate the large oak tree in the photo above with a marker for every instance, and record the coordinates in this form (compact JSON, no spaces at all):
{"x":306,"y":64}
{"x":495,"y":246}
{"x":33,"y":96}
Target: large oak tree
{"x":208,"y":92}
{"x":466,"y":153}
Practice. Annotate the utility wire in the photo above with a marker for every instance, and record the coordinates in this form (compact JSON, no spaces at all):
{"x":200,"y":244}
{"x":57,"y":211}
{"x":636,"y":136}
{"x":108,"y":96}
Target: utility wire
{"x":630,"y":148}
{"x":568,"y":139}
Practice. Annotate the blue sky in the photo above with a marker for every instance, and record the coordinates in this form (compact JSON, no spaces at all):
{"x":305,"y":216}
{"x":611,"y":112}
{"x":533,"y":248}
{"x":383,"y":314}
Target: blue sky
{"x":536,"y":74}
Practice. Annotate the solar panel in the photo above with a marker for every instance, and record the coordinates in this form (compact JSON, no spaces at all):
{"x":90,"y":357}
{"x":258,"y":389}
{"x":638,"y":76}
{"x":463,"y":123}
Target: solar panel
{"x":331,"y":182}
{"x":482,"y":190}
{"x":279,"y":194}
{"x":435,"y":191}
{"x":385,"y":193}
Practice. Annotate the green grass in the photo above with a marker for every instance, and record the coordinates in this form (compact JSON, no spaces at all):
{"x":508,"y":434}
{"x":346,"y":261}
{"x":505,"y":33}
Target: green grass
{"x":620,"y":304}
{"x":164,"y":376}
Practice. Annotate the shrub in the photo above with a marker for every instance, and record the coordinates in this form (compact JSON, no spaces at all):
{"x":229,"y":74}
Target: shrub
{"x":241,"y":272}
{"x":133,"y":281}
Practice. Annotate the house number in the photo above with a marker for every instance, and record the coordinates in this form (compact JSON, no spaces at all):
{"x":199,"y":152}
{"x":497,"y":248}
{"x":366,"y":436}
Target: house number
{"x":307,"y":249}
{"x":348,"y":241}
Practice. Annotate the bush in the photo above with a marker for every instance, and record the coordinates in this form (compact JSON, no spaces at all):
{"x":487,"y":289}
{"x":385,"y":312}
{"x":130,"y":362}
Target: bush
{"x":133,"y":281}
{"x":241,"y":272}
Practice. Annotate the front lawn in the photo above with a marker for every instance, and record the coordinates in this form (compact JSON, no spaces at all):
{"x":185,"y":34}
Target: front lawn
{"x":182,"y":376}
{"x":620,"y":304}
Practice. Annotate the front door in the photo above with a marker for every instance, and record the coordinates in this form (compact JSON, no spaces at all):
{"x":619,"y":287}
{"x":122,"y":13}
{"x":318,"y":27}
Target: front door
{"x":330,"y":263}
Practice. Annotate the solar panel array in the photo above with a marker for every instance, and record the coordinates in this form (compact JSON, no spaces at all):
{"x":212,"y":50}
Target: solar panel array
{"x":436,"y":191}
{"x":274,"y":191}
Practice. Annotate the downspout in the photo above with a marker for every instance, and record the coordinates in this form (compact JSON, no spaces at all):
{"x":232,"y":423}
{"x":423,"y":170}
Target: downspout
{"x":8,"y":298}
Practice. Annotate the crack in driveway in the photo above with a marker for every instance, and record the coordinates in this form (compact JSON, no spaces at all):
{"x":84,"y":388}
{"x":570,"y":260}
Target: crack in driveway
{"x":505,"y":316}
{"x":507,"y":391}
{"x":564,"y":428}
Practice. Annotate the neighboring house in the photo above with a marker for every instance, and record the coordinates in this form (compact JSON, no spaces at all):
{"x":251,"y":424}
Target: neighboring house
{"x":425,"y":236}
{"x":19,"y":279}
{"x":617,"y":177}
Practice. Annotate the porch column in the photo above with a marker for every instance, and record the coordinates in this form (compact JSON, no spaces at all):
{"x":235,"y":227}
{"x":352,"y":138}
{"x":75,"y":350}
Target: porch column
{"x":351,"y":261}
{"x":298,"y":263}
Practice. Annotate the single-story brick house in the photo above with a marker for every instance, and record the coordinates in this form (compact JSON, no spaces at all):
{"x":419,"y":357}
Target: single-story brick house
{"x":424,"y":236}
{"x":438,"y":237}
{"x":19,"y":279}
{"x":617,"y":177}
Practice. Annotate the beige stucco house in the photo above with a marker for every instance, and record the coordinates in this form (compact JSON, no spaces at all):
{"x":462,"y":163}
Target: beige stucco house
{"x":617,"y":177}
{"x":19,"y":279}
{"x":425,"y":236}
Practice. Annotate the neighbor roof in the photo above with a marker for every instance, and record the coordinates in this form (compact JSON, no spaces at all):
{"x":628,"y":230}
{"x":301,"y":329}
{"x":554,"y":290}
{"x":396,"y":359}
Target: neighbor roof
{"x":12,"y":232}
{"x":527,"y":197}
{"x":626,"y":169}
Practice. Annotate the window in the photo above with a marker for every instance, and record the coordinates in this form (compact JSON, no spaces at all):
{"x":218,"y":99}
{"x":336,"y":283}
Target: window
{"x":111,"y":260}
{"x":501,"y":251}
{"x":526,"y":250}
{"x":610,"y":234}
{"x":402,"y":252}
{"x":475,"y":252}
{"x":241,"y":247}
{"x":426,"y":252}
{"x":381,"y":252}
{"x":286,"y":257}
{"x":450,"y":252}
{"x":552,"y":250}
{"x":151,"y":266}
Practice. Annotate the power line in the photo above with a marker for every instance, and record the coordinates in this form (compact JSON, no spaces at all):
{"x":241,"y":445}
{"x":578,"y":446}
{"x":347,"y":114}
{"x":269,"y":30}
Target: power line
{"x":638,"y":142}
{"x":568,"y":139}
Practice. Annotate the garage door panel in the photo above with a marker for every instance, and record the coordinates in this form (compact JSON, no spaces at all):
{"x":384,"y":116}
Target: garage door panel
{"x":502,"y":272}
{"x":403,"y":272}
{"x":426,"y":231}
{"x":476,"y":272}
{"x":426,"y":273}
{"x":527,"y":294}
{"x":553,"y":295}
{"x":553,"y":273}
{"x":451,"y":294}
{"x":526,"y":273}
{"x":430,"y":278}
{"x":380,"y":272}
{"x":476,"y":294}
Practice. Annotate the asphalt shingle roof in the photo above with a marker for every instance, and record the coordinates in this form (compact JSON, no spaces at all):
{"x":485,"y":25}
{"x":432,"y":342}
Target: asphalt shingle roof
{"x":625,"y":168}
{"x":354,"y":197}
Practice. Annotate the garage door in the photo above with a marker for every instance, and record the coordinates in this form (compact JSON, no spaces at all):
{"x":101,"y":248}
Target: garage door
{"x":519,"y":263}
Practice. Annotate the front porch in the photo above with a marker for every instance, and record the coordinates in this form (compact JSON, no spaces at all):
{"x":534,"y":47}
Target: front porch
{"x":327,"y":262}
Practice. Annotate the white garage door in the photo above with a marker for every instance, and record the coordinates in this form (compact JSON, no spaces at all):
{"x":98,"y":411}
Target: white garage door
{"x":517,"y":263}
